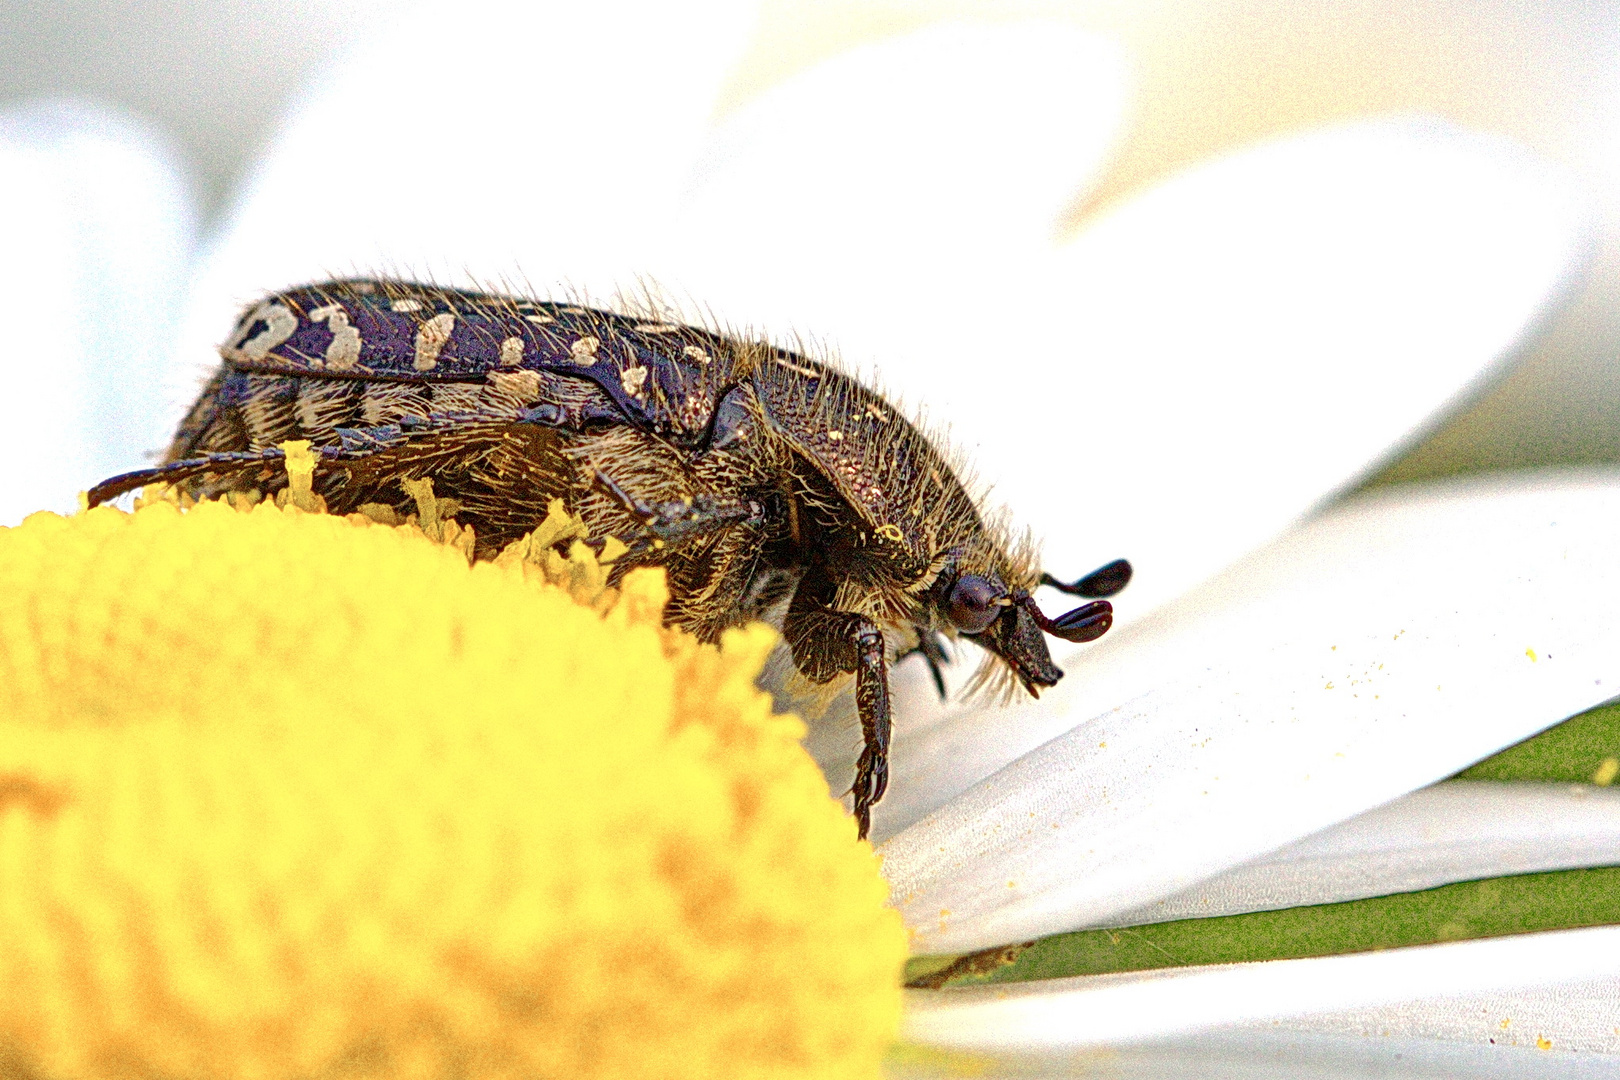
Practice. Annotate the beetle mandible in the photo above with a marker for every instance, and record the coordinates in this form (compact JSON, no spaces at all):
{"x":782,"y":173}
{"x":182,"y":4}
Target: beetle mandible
{"x":752,"y":474}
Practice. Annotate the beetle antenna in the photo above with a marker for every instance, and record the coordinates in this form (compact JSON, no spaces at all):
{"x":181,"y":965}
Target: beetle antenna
{"x":1103,"y":581}
{"x":1085,"y":623}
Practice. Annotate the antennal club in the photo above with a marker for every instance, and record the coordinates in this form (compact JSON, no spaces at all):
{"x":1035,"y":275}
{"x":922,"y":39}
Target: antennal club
{"x":1085,"y":623}
{"x":1103,"y":581}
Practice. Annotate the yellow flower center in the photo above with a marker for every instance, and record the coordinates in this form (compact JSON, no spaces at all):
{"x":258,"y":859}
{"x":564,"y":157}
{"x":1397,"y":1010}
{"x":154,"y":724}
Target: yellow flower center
{"x":286,"y":795}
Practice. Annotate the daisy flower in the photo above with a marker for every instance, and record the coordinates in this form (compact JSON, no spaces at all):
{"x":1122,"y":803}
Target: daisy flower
{"x":1193,"y":380}
{"x":283,"y":793}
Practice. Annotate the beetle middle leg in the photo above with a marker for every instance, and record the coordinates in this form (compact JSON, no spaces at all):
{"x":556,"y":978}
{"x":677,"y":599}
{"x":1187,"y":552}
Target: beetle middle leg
{"x":827,"y":642}
{"x":677,"y":521}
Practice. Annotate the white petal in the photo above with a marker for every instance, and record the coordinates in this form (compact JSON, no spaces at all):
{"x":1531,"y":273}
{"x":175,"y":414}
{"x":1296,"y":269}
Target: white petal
{"x":538,"y":143}
{"x":872,"y":191}
{"x":1210,"y":361}
{"x":1564,"y":983}
{"x":1368,"y":653}
{"x":1272,"y":1053}
{"x":1457,"y":831}
{"x":1576,"y":1015}
{"x":97,"y":230}
{"x":1207,"y":362}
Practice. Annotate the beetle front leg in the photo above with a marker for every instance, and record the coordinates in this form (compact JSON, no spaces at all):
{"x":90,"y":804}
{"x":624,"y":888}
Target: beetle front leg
{"x":826,"y":643}
{"x":872,"y":701}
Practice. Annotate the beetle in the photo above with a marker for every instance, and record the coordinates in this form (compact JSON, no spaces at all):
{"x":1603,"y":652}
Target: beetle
{"x":753,"y":474}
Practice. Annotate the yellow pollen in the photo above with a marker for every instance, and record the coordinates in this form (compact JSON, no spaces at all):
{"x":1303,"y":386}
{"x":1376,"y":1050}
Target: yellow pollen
{"x":288,"y":794}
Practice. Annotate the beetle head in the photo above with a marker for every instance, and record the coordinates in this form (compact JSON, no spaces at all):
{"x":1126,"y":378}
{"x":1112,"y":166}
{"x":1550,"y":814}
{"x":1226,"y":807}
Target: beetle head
{"x":1010,"y":624}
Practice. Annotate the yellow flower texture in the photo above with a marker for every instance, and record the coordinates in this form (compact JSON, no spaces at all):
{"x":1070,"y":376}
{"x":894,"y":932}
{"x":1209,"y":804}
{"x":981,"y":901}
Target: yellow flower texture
{"x":284,"y":794}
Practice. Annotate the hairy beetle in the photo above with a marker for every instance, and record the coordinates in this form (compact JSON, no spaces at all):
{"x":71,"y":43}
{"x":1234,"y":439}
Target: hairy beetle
{"x":754,"y":475}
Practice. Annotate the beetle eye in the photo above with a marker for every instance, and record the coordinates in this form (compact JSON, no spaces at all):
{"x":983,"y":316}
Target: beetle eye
{"x":972,"y":604}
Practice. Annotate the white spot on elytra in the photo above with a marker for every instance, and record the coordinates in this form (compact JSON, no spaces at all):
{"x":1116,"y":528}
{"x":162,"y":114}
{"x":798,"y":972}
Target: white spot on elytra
{"x":655,"y":328}
{"x":583,"y":351}
{"x":519,"y":387}
{"x":632,"y":379}
{"x":344,"y":351}
{"x":279,"y":325}
{"x":512,"y":352}
{"x":539,"y":320}
{"x":836,"y":436}
{"x":405,"y":305}
{"x":430,"y":339}
{"x":692,"y":352}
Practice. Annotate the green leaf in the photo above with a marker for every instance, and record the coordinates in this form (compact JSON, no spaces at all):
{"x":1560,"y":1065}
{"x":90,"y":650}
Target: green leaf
{"x":1470,"y":909}
{"x":1574,"y":751}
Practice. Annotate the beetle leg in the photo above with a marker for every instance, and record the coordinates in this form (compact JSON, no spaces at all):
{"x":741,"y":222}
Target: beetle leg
{"x":825,"y":643}
{"x":680,"y":521}
{"x":872,"y":701}
{"x":931,"y":647}
{"x":354,"y":444}
{"x":175,"y":472}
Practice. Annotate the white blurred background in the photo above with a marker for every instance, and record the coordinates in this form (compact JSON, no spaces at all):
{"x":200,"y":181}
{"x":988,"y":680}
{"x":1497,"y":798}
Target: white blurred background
{"x":212,"y":77}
